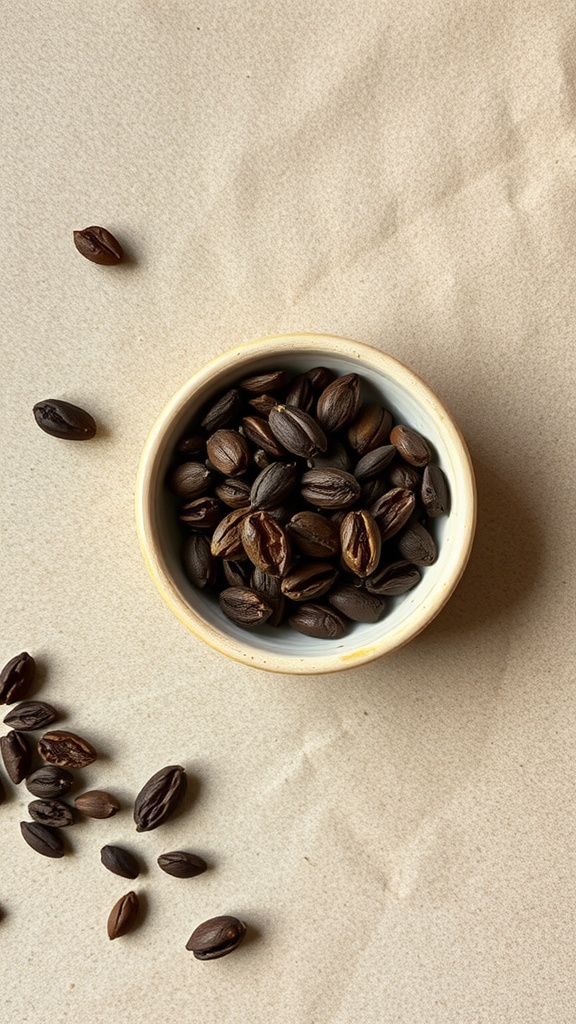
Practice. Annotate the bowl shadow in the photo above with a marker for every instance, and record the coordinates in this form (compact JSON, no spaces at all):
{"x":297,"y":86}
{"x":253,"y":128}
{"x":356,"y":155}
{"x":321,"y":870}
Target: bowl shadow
{"x":506,"y":561}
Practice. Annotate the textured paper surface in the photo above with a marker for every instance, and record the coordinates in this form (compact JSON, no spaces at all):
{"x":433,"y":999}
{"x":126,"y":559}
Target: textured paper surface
{"x":400,"y":838}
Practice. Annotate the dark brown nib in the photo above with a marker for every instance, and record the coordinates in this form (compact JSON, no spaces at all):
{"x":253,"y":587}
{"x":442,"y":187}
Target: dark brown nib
{"x":16,"y":678}
{"x":308,"y":581}
{"x":357,"y":604}
{"x":50,"y":782}
{"x":159,"y":797}
{"x":64,"y":420}
{"x":245,"y":607}
{"x":52,"y":813}
{"x":297,"y":431}
{"x":339,"y":403}
{"x":199,"y":563}
{"x":181,"y":864}
{"x":29,"y":715}
{"x":17,"y":755}
{"x":413,"y":448}
{"x":434,"y":492}
{"x":99,"y":246}
{"x":262,"y":383}
{"x":119,"y":861}
{"x":318,"y":621}
{"x":417,"y":545}
{"x":44,"y":840}
{"x":392,"y":510}
{"x":216,"y":938}
{"x":393,"y":579}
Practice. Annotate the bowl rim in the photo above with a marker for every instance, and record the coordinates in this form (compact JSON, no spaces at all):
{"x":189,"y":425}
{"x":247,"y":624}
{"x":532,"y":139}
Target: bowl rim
{"x":146,"y":481}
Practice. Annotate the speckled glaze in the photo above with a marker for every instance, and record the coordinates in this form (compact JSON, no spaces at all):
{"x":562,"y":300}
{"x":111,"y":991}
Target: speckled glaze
{"x":410,"y":401}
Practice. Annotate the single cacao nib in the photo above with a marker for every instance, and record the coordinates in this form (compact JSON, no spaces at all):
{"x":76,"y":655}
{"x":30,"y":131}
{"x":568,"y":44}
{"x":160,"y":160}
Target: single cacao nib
{"x":314,"y":534}
{"x":29,"y":715}
{"x":265,"y":543}
{"x":64,"y":420}
{"x":320,"y":377}
{"x":234,"y":493}
{"x":99,"y":246}
{"x":49,"y":782}
{"x":159,"y":797}
{"x":374,"y":462}
{"x":51,"y":813}
{"x":181,"y":864}
{"x":226,"y":540}
{"x":17,"y":756}
{"x":66,"y":749}
{"x":16,"y":678}
{"x":262,"y":404}
{"x":216,"y":938}
{"x":396,"y":578}
{"x":308,"y":581}
{"x":330,"y":488}
{"x":199,"y":563}
{"x":370,"y":429}
{"x":411,"y":445}
{"x":44,"y":840}
{"x":318,"y":621}
{"x":273,"y":485}
{"x":202,"y":513}
{"x":190,"y":480}
{"x":194,"y":445}
{"x":223,"y":412}
{"x":245,"y":607}
{"x":434,"y":491}
{"x":96,"y":803}
{"x":417,"y":545}
{"x":393,"y":510}
{"x":357,"y":604}
{"x":263,"y":383}
{"x":123,"y":915}
{"x":360,"y":543}
{"x":339,"y":403}
{"x":258,"y":431}
{"x":120,"y":861}
{"x":297,"y":431}
{"x":228,"y":452}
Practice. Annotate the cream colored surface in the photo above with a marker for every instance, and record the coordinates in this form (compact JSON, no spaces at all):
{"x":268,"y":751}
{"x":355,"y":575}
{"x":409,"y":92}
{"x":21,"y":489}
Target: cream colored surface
{"x":401,"y":837}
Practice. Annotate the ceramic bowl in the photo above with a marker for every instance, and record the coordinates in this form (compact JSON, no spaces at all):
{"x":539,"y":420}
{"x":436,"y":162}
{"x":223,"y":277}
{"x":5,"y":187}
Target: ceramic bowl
{"x":411,"y":402}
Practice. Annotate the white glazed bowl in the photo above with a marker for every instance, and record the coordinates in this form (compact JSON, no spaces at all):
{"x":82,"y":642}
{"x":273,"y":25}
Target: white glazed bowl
{"x":411,"y":402}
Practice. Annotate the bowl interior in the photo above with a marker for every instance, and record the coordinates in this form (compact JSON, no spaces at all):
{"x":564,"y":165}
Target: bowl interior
{"x":410,"y":402}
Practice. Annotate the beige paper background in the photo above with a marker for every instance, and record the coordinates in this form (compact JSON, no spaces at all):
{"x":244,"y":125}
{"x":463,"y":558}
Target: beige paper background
{"x":400,"y":837}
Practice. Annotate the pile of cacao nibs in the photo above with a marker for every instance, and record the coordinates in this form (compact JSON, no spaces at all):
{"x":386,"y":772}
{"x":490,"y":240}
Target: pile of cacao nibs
{"x":302,"y":504}
{"x":156,"y":802}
